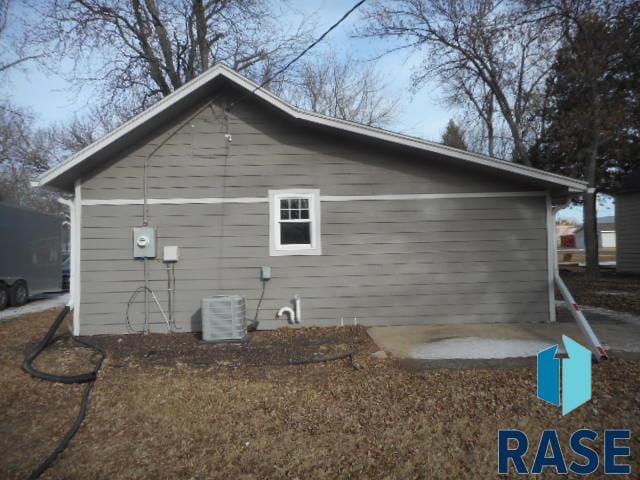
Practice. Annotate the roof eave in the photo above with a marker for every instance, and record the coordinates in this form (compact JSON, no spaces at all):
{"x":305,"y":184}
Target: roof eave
{"x":45,"y":179}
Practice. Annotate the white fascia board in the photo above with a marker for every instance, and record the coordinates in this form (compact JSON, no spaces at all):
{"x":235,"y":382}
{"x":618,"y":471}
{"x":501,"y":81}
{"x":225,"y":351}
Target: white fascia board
{"x":315,"y":118}
{"x":407,"y":141}
{"x":131,"y":124}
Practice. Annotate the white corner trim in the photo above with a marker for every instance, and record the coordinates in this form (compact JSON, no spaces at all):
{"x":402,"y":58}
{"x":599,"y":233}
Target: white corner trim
{"x":552,"y":257}
{"x":322,"y":198}
{"x":298,"y":114}
{"x":277,"y":250}
{"x":76,"y":257}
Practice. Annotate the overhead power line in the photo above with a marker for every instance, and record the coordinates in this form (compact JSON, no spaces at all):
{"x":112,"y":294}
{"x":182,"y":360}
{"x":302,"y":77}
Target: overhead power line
{"x":300,"y":55}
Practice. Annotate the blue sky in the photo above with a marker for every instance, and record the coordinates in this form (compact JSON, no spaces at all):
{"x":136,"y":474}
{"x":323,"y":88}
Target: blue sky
{"x":53,"y":99}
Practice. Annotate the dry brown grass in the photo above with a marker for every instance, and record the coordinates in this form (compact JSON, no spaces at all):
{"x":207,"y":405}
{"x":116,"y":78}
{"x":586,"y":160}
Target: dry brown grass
{"x":153,"y":419}
{"x":611,"y":290}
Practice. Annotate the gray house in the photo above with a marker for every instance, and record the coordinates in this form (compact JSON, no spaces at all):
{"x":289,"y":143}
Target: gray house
{"x":357,"y":221}
{"x":628,"y":224}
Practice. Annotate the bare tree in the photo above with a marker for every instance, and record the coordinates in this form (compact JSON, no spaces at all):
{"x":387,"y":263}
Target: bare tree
{"x":485,"y":41}
{"x":24,"y":152}
{"x":12,"y":45}
{"x":137,"y":51}
{"x":341,"y":88}
{"x":464,"y":90}
{"x":82,"y":130}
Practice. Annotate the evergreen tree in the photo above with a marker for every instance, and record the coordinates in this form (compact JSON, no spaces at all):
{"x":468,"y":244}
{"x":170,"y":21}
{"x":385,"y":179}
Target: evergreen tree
{"x":453,"y":136}
{"x":592,"y":116}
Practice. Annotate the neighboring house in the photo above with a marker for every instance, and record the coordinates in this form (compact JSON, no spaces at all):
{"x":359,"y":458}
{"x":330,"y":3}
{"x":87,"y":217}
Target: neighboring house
{"x":606,"y":233}
{"x":358,"y":221}
{"x":628,"y":224}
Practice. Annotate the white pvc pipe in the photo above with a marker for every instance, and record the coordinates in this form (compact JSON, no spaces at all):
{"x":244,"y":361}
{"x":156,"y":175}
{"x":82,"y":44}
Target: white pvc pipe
{"x":289,"y":311}
{"x":298,"y":305}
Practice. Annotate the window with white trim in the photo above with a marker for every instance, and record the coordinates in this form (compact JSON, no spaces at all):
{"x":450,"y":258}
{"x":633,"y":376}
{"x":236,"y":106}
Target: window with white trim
{"x":294,"y":222}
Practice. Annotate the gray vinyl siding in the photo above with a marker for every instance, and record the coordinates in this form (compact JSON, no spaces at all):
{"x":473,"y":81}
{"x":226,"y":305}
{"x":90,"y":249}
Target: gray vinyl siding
{"x":628,"y":232}
{"x":384,"y":262}
{"x":268,"y":152}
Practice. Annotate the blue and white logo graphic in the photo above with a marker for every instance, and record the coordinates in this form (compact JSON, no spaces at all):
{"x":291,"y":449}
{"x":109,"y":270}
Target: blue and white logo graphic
{"x":576,"y":376}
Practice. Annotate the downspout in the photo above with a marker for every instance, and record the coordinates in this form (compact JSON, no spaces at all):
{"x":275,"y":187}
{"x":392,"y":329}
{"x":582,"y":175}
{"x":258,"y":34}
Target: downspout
{"x":556,"y":208}
{"x":72,"y":255}
{"x":595,"y":345}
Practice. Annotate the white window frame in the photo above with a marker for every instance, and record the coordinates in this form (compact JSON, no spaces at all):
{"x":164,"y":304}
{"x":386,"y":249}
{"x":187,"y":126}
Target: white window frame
{"x":276,"y":249}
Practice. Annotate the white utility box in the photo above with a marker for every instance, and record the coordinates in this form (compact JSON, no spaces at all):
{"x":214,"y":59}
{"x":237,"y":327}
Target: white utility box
{"x":171,"y":254}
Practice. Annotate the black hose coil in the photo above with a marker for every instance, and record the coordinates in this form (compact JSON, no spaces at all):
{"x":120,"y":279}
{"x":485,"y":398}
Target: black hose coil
{"x":88,"y":378}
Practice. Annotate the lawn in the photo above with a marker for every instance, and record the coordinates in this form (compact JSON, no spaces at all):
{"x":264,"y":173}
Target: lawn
{"x":168,"y":406}
{"x":615,"y":291}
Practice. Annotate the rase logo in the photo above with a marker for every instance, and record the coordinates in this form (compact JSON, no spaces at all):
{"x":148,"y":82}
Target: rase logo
{"x":514,"y":444}
{"x":573,"y":391}
{"x":576,"y":376}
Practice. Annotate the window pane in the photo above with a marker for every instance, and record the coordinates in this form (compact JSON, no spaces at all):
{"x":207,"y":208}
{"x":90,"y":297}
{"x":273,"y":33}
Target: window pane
{"x":304,"y":214}
{"x":284,"y":214}
{"x":295,"y":203}
{"x":295,"y":214}
{"x":295,"y":233}
{"x":284,"y":203}
{"x":304,"y":203}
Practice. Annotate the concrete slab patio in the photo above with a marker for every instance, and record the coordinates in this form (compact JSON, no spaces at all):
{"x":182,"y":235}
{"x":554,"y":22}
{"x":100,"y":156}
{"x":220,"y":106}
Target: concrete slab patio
{"x":459,"y":344}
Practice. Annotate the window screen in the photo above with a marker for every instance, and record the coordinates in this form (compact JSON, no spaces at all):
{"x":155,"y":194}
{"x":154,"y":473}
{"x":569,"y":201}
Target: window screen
{"x":295,"y":225}
{"x":294,"y":222}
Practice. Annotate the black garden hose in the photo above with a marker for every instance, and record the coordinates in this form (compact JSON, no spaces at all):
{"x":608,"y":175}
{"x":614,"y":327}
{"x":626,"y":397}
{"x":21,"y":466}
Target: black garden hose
{"x":309,"y":361}
{"x":88,"y":378}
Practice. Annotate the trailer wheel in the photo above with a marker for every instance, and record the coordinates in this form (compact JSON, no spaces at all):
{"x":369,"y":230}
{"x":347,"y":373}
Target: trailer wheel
{"x":19,"y":293}
{"x":4,"y":297}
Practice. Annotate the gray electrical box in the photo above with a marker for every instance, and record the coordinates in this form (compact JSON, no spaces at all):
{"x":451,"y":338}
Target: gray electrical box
{"x":144,"y":242}
{"x":265,"y":273}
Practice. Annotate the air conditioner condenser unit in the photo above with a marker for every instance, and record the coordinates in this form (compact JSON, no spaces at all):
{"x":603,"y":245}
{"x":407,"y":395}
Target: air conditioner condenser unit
{"x":224,"y":318}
